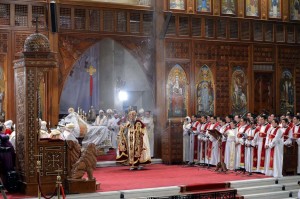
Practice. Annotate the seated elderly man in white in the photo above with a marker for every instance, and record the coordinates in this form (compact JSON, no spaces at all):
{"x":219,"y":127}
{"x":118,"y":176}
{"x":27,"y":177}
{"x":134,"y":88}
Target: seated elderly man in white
{"x":68,"y":133}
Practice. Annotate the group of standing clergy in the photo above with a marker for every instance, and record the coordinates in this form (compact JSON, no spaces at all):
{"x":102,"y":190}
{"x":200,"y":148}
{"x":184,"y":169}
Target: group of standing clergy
{"x":254,"y":145}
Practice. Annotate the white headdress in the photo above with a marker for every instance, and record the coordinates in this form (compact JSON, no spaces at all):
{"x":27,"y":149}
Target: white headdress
{"x":8,"y":123}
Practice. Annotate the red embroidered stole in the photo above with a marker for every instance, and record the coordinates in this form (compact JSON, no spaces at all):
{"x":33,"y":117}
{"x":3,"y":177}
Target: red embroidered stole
{"x":271,"y":137}
{"x":285,"y":135}
{"x":240,"y":135}
{"x":203,"y":144}
{"x":296,"y":135}
{"x":194,"y":128}
{"x":255,"y":150}
{"x":224,"y":143}
{"x":263,"y":151}
{"x":209,"y":143}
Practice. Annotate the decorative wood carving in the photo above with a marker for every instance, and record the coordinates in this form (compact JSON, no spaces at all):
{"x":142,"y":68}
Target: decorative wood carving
{"x":264,"y":9}
{"x":3,"y":42}
{"x":205,"y":51}
{"x":217,"y":7}
{"x":177,"y":49}
{"x":263,"y":54}
{"x":21,"y":119}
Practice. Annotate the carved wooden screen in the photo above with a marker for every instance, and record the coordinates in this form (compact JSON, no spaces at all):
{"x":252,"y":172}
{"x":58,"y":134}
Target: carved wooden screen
{"x":177,"y":92}
{"x":108,"y":20}
{"x":79,"y":19}
{"x":196,"y":26}
{"x":135,"y":21}
{"x":94,"y":20}
{"x":40,"y":12}
{"x":205,"y":92}
{"x":5,"y":14}
{"x":21,"y":15}
{"x":280,"y":33}
{"x":172,"y":26}
{"x":65,"y":18}
{"x":147,"y":23}
{"x":121,"y":21}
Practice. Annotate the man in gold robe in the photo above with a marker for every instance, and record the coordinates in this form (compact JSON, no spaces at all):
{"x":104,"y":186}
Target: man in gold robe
{"x":133,"y":143}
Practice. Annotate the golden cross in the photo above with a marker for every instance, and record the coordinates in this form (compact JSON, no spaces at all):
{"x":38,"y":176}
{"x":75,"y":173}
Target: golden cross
{"x":91,"y":70}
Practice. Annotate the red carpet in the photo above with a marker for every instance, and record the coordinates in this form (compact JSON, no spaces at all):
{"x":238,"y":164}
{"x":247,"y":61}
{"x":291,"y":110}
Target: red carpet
{"x":109,"y":156}
{"x":159,"y":175}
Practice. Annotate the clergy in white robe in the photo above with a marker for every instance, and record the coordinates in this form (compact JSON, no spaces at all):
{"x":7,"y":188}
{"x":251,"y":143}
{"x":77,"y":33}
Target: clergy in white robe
{"x":274,"y":151}
{"x":240,"y":147}
{"x":296,"y":136}
{"x":229,"y":157}
{"x":101,"y":119}
{"x":202,"y":141}
{"x":193,"y":139}
{"x":287,"y":132}
{"x":213,"y":144}
{"x":111,"y":126}
{"x":148,"y":121}
{"x":251,"y":150}
{"x":260,"y":142}
{"x":224,"y":127}
{"x":186,"y":139}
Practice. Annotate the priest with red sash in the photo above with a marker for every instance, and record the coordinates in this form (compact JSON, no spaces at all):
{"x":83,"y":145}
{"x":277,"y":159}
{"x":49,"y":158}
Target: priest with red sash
{"x":212,"y":144}
{"x":260,"y":142}
{"x":274,"y":151}
{"x":196,"y":129}
{"x":240,"y":149}
{"x":287,"y":134}
{"x":296,"y":136}
{"x":202,"y":139}
{"x":251,"y":150}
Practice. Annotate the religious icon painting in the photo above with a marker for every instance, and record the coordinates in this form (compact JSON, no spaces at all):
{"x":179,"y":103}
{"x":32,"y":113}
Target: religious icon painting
{"x":274,"y":9}
{"x":295,"y":9}
{"x":286,"y":92}
{"x":228,"y":7}
{"x":238,"y":92}
{"x":177,"y":4}
{"x":177,"y":92}
{"x":252,"y":8}
{"x":204,"y":6}
{"x":205,"y":92}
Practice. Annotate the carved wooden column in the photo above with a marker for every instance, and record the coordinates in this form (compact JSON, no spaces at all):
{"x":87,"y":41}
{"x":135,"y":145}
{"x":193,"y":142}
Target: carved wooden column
{"x":36,"y":65}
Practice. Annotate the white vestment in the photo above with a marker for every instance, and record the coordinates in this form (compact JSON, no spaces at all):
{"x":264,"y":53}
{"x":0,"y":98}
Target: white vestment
{"x":277,"y":143}
{"x":69,"y":135}
{"x":260,"y":146}
{"x":215,"y":156}
{"x":240,"y":143}
{"x":296,"y":131}
{"x":148,"y":121}
{"x":202,"y":142}
{"x":186,"y":141}
{"x":229,"y":157}
{"x":251,"y":142}
{"x":101,"y":120}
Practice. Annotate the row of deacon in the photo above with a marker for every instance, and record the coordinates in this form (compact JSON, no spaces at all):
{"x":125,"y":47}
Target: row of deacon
{"x":254,"y":145}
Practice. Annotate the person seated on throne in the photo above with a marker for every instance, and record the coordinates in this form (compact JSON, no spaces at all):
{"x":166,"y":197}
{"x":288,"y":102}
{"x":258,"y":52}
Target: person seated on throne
{"x":133,"y":143}
{"x":68,"y":133}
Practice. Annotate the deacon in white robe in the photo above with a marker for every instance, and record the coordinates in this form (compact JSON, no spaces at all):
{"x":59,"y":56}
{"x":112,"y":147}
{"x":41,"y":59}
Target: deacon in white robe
{"x":148,"y":121}
{"x":274,"y":151}
{"x":260,"y":142}
{"x":296,"y":136}
{"x":213,"y":152}
{"x":202,"y":140}
{"x":101,"y":119}
{"x":111,"y":126}
{"x":229,"y":157}
{"x":186,"y":139}
{"x":251,"y":151}
{"x":240,"y":147}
